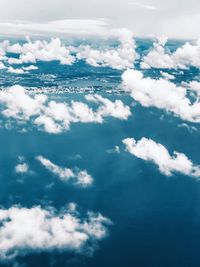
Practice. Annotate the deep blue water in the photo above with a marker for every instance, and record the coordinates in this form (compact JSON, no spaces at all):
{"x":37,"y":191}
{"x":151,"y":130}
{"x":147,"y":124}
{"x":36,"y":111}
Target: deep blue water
{"x":156,"y":219}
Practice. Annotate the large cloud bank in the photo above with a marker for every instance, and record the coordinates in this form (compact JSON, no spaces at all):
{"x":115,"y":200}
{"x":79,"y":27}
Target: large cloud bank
{"x":149,"y":150}
{"x":33,"y":230}
{"x":55,"y":117}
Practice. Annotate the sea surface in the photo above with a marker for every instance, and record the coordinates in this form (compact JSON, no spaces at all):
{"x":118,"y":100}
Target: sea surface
{"x":155,"y":218}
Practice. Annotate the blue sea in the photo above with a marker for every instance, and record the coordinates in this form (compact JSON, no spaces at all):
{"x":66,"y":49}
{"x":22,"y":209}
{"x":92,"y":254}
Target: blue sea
{"x":155,"y":218}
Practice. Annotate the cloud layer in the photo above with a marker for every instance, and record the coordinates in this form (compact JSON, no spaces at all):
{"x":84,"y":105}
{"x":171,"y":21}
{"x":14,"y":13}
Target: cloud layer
{"x":144,"y":17}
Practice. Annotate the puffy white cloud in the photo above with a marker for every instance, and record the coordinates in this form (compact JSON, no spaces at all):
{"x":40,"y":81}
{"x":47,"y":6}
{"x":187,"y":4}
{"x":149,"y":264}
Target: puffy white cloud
{"x":149,"y":150}
{"x":14,"y":61}
{"x":56,"y":117}
{"x":157,"y":57}
{"x":34,"y":230}
{"x":167,"y":76}
{"x":30,"y":52}
{"x":19,"y":104}
{"x":22,"y":168}
{"x":79,"y":177}
{"x":120,"y":57}
{"x":194,"y":86}
{"x":108,"y":108}
{"x":185,"y":56}
{"x":162,"y":94}
{"x":16,"y":71}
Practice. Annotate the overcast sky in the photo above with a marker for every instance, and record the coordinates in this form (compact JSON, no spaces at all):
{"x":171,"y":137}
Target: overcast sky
{"x":173,"y":18}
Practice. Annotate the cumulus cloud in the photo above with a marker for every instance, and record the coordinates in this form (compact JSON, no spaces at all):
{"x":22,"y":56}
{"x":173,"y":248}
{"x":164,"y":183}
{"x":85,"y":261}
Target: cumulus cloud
{"x":76,"y":176}
{"x":108,"y":108}
{"x":30,"y":67}
{"x":162,"y":94}
{"x":20,"y":105}
{"x":149,"y":150}
{"x":22,"y":168}
{"x":167,"y":76}
{"x":16,"y":70}
{"x":194,"y":86}
{"x":56,"y":117}
{"x":120,"y":57}
{"x":32,"y":51}
{"x":185,"y":56}
{"x":33,"y":230}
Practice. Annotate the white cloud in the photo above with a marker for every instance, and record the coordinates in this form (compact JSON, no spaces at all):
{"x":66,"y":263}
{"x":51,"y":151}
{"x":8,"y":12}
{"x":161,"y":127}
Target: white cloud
{"x":14,"y":61}
{"x":149,"y":150}
{"x":185,"y":56}
{"x":56,"y":117}
{"x":19,"y":104}
{"x":22,"y":168}
{"x":32,"y":51}
{"x":108,"y":108}
{"x":193,"y":86}
{"x":47,"y":230}
{"x":167,"y":76}
{"x":76,"y":176}
{"x":30,"y":67}
{"x":16,"y":71}
{"x":162,"y":94}
{"x":119,"y":57}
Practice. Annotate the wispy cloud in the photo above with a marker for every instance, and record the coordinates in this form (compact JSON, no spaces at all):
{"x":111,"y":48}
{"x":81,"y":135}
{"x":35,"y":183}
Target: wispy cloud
{"x":143,"y":6}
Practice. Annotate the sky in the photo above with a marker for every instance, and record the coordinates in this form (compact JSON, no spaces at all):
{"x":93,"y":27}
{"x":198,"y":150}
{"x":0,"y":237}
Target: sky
{"x":172,"y":18}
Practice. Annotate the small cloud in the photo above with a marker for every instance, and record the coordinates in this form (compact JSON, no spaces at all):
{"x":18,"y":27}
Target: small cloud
{"x":22,"y":168}
{"x":75,"y":175}
{"x":116,"y":149}
{"x":149,"y":150}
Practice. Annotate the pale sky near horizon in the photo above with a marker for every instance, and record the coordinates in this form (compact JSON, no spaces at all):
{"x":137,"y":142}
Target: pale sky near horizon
{"x":172,"y":18}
